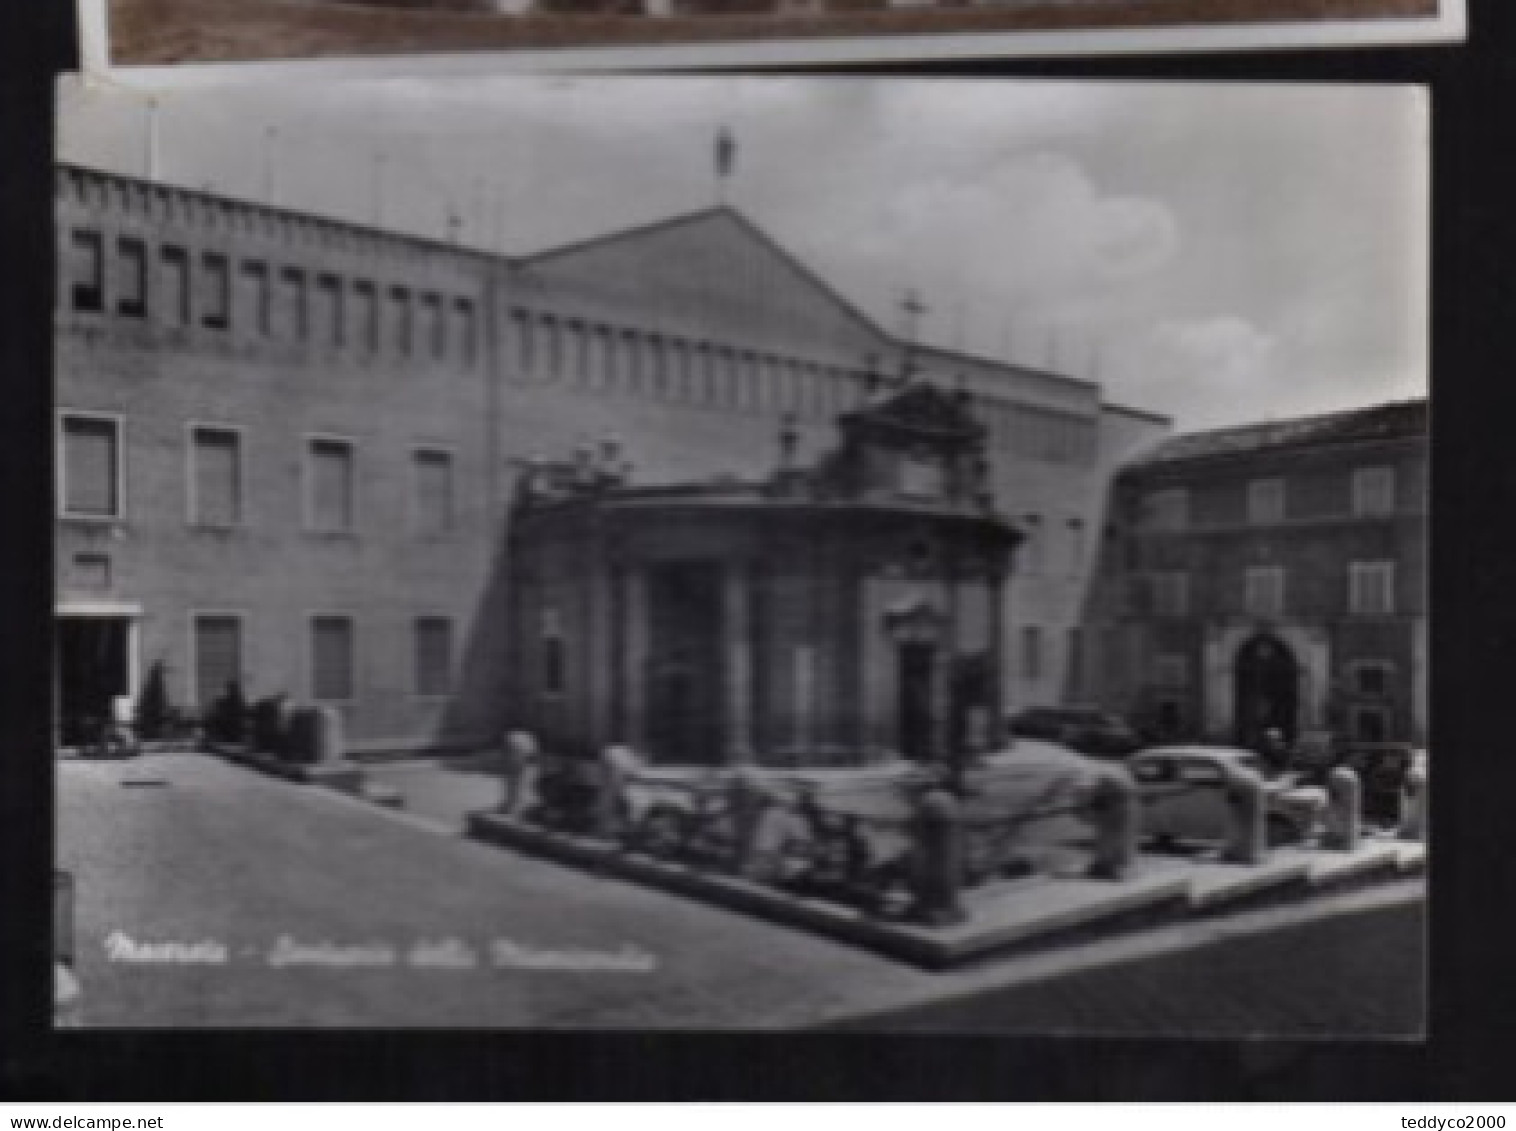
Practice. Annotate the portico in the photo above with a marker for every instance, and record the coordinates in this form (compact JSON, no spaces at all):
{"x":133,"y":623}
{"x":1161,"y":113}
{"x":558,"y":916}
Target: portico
{"x":823,"y":616}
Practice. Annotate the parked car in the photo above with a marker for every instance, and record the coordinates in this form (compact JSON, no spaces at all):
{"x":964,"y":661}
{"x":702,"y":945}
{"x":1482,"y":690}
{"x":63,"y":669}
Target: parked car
{"x":1086,"y":730}
{"x":1183,"y":795}
{"x":1381,"y":768}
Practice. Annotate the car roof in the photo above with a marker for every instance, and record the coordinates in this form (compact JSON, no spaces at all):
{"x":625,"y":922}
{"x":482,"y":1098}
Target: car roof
{"x":1076,"y":709}
{"x":1221,"y":753}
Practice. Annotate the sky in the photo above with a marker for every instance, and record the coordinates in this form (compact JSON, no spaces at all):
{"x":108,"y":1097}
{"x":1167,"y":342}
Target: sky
{"x":1220,"y":253}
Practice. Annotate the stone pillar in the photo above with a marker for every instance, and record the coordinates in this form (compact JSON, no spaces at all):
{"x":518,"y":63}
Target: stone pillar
{"x":749,"y":800}
{"x":329,"y":747}
{"x":942,"y":679}
{"x":610,"y":790}
{"x":519,"y":764}
{"x":803,"y":674}
{"x":598,"y":655}
{"x":938,"y":851}
{"x":1116,"y":814}
{"x":1344,"y":809}
{"x":737,"y":640}
{"x":997,"y":661}
{"x":1247,"y":806}
{"x":634,"y":673}
{"x":875,"y":723}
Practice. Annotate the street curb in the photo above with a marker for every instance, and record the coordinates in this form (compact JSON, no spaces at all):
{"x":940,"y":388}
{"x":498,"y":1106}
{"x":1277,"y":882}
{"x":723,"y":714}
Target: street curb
{"x":346,"y":777}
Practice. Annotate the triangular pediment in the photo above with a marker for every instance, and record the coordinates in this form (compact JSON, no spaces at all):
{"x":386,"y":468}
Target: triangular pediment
{"x":714,"y":270}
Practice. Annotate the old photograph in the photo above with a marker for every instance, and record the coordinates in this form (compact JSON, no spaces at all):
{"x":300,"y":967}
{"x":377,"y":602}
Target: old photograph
{"x":743,"y":554}
{"x":652,"y":33}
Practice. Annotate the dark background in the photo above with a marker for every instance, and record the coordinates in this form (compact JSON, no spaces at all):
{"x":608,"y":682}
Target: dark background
{"x":1470,"y":1054}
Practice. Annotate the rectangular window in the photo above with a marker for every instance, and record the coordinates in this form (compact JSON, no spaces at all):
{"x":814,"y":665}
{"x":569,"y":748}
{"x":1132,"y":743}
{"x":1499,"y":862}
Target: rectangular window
{"x":434,"y":655}
{"x":1373,"y":491}
{"x":332,"y":659}
{"x":706,"y":375}
{"x":526,"y":343}
{"x":1371,"y":678}
{"x":330,"y":484}
{"x":329,"y":313}
{"x":434,"y":491}
{"x":215,"y":476}
{"x":131,"y":277}
{"x":1076,"y":546}
{"x":1265,"y":502}
{"x":1371,"y":589}
{"x":602,"y":369}
{"x":552,"y":347}
{"x":87,"y":270}
{"x":257,"y":302}
{"x":1031,"y":652}
{"x":554,"y":667}
{"x":1075,"y":646}
{"x":218,"y":656}
{"x":679,"y":370}
{"x":576,"y":350}
{"x":90,"y":467}
{"x":631,"y":353}
{"x":434,"y":327}
{"x":215,"y":313}
{"x":176,"y":289}
{"x":1263,"y":591}
{"x":1167,"y":510}
{"x":1171,"y":594}
{"x":1032,"y":549}
{"x":464,"y":329}
{"x":296,"y":317}
{"x":657,"y":364}
{"x":400,"y":321}
{"x":366,"y":317}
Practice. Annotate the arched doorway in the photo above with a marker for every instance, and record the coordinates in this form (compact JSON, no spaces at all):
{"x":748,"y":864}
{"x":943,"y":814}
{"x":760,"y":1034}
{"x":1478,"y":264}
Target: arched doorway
{"x":1268,"y":683}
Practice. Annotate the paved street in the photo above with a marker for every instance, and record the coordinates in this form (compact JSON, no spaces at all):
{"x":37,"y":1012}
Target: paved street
{"x":1359,"y":972}
{"x":187,"y":849}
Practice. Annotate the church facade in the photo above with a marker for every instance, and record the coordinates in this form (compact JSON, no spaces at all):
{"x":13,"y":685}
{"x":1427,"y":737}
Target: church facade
{"x":828,"y":614}
{"x":288,"y":445}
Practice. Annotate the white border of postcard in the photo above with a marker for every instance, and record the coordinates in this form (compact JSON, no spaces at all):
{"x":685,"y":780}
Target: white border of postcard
{"x":1449,"y":26}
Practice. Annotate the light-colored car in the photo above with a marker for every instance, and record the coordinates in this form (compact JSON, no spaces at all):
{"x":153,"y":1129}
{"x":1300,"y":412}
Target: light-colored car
{"x":1184,"y":795}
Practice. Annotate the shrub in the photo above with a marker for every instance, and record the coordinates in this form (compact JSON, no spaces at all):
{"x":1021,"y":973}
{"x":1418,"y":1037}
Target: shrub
{"x":153,"y":708}
{"x":226,"y":721}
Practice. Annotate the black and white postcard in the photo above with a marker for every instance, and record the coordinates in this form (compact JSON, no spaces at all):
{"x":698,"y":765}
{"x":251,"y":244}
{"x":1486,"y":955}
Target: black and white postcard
{"x":743,"y":554}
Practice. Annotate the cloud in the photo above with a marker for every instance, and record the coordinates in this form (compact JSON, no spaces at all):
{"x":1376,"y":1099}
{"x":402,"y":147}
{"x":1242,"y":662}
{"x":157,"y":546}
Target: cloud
{"x":1201,"y":370}
{"x":1032,"y":229}
{"x":1225,"y":352}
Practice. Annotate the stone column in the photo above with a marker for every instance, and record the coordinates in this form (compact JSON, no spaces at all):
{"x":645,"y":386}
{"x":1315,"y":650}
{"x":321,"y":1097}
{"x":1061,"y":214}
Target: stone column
{"x":803,"y":676}
{"x":737,"y":640}
{"x":996,"y":585}
{"x":942,"y":677}
{"x":599,"y":655}
{"x":634,"y":671}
